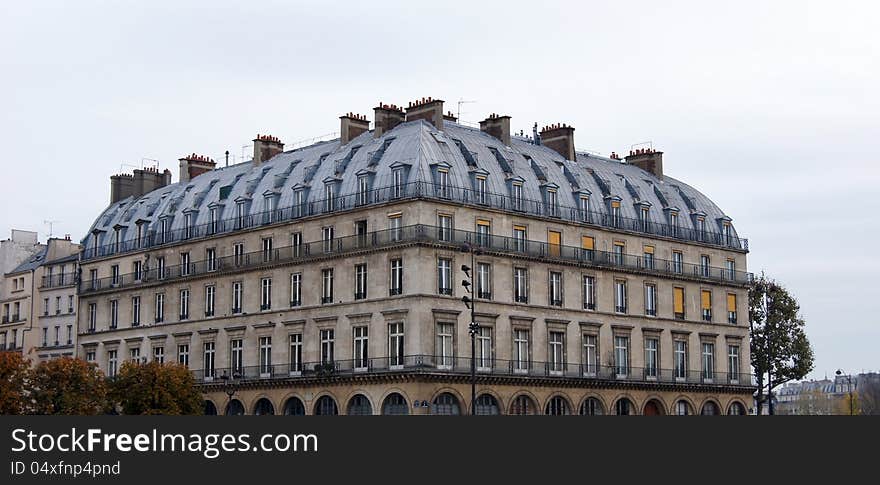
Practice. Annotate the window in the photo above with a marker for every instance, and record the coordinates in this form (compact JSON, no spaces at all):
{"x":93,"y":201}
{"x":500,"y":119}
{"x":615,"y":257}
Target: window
{"x":592,"y":407}
{"x":519,"y":238}
{"x":484,"y":348}
{"x":214,"y":218}
{"x":444,"y":227}
{"x":482,"y":197}
{"x":444,"y":349}
{"x":183,"y":354}
{"x":553,"y":202}
{"x":733,"y":363}
{"x":268,"y":253}
{"x":443,"y":183}
{"x":731,"y":269}
{"x":682,"y":408}
{"x":652,"y":348}
{"x":328,"y":343}
{"x":160,"y":267}
{"x":329,"y":200}
{"x":188,"y":223}
{"x":295,"y":290}
{"x":327,"y":233}
{"x":208,"y":367}
{"x":114,"y":314}
{"x":588,"y":245}
{"x":584,"y":208}
{"x":621,"y":356}
{"x":623,"y":407}
{"x":210,"y":291}
{"x":70,"y":300}
{"x":678,"y":303}
{"x":296,"y":349}
{"x":619,"y":250}
{"x":680,"y":359}
{"x":326,"y":286}
{"x":648,"y":258}
{"x":296,"y":243}
{"x":395,"y":230}
{"x":45,"y":337}
{"x":397,"y":175}
{"x":673,"y":223}
{"x":135,"y":311}
{"x":728,"y":233}
{"x":517,"y":195}
{"x":701,"y":227}
{"x":361,"y":346}
{"x":484,"y":231}
{"x":184,"y":304}
{"x":644,"y":219}
{"x":615,"y":213}
{"x":45,"y":306}
{"x":360,"y":281}
{"x":137,"y":270}
{"x":731,"y":308}
{"x":69,"y":334}
{"x":265,"y":294}
{"x":238,"y":254}
{"x":620,"y":296}
{"x":134,"y":355}
{"x":677,"y":265}
{"x":591,"y":354}
{"x":521,"y":285}
{"x":184,"y":264}
{"x":114,"y":274}
{"x":557,"y":406}
{"x":521,"y":359}
{"x":589,"y":287}
{"x":363,"y":190}
{"x":236,"y":296}
{"x":650,"y":299}
{"x":446,"y":404}
{"x":159,"y":354}
{"x":706,"y":305}
{"x":704,"y":265}
{"x":555,"y":288}
{"x":93,"y":277}
{"x":557,"y":352}
{"x":484,"y":281}
{"x":159,"y":313}
{"x":299,"y":202}
{"x":265,"y":356}
{"x":395,"y":344}
{"x":523,"y":405}
{"x":112,"y":363}
{"x":708,"y":361}
{"x":554,"y":243}
{"x":396,"y":286}
{"x":90,"y":355}
{"x":444,"y":276}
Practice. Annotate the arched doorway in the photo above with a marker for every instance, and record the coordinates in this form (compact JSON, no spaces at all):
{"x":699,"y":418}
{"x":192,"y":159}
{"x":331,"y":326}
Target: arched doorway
{"x":653,"y":408}
{"x":264,"y":407}
{"x":294,"y":407}
{"x":235,"y":408}
{"x":683,"y":408}
{"x":623,"y":407}
{"x":591,"y":407}
{"x":523,"y":405}
{"x":210,"y":409}
{"x":446,"y":404}
{"x":557,"y":406}
{"x":709,"y":409}
{"x":736,"y":409}
{"x":487,"y":405}
{"x":395,"y":405}
{"x":359,"y":405}
{"x":326,"y":406}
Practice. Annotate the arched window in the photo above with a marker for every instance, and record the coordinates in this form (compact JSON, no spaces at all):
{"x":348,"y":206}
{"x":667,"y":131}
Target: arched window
{"x":653,"y":408}
{"x":294,"y":407}
{"x":210,"y":409}
{"x":395,"y":404}
{"x":523,"y":405}
{"x":264,"y":407}
{"x":591,"y":407}
{"x":487,"y":404}
{"x":446,"y":403}
{"x":623,"y":407}
{"x":326,"y":406}
{"x":709,"y":409}
{"x":557,"y":406}
{"x":234,"y":408}
{"x":359,"y":405}
{"x":682,"y":408}
{"x":735,"y":409}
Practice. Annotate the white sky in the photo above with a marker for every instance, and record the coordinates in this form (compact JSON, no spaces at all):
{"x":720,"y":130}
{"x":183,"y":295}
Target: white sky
{"x":770,"y":108}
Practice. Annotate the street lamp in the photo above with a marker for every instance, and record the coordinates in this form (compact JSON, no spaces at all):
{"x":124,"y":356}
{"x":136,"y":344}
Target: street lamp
{"x":229,"y":386}
{"x":850,"y":388}
{"x":469,"y":302}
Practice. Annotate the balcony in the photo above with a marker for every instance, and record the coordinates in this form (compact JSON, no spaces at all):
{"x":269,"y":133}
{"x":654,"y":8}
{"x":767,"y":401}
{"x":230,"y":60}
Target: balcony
{"x":555,"y":302}
{"x":589,"y":305}
{"x":394,"y":291}
{"x":426,"y":235}
{"x":58,"y":280}
{"x":417,"y":190}
{"x":445,"y":291}
{"x":521,"y":299}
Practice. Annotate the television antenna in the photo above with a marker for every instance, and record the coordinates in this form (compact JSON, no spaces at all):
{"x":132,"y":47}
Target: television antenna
{"x":50,"y":224}
{"x":462,"y":101}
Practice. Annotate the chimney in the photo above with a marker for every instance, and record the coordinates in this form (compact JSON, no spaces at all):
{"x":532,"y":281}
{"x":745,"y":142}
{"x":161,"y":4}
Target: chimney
{"x":266,"y":147}
{"x":141,"y":182}
{"x":191,"y":166}
{"x":428,"y":109}
{"x":559,"y":138}
{"x":351,"y":126}
{"x":449,"y":116}
{"x":386,"y":117}
{"x":648,"y":160}
{"x":497,"y":126}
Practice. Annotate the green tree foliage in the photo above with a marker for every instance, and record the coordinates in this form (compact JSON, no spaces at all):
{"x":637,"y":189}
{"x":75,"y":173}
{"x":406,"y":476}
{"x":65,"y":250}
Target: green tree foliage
{"x":780,"y":350}
{"x":68,"y":386}
{"x":14,"y":379}
{"x":156,"y":388}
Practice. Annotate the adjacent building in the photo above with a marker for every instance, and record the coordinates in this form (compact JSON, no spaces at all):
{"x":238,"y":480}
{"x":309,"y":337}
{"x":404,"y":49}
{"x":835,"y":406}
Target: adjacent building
{"x":330,"y":279}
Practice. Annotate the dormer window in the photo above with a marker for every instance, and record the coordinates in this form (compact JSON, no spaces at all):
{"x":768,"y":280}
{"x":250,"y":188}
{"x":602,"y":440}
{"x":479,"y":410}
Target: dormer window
{"x":140,"y":235}
{"x":645,"y":218}
{"x":189,"y":222}
{"x":482,"y":197}
{"x":329,"y":202}
{"x":240,"y":214}
{"x":673,"y":222}
{"x":397,"y":187}
{"x":517,"y":194}
{"x":270,"y":206}
{"x":615,"y":213}
{"x":553,"y":201}
{"x":117,"y":239}
{"x":299,"y":202}
{"x":214,"y":216}
{"x":727,"y":230}
{"x":363,"y":190}
{"x":583,"y":206}
{"x":443,"y":183}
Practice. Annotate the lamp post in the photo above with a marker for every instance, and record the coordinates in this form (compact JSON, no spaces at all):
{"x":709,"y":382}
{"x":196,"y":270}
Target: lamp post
{"x":849,"y":387}
{"x":229,"y":387}
{"x":469,"y":302}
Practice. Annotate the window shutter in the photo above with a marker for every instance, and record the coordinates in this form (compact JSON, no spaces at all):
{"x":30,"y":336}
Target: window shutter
{"x":707,"y":299}
{"x":678,"y":300}
{"x":731,"y":302}
{"x":587,"y":242}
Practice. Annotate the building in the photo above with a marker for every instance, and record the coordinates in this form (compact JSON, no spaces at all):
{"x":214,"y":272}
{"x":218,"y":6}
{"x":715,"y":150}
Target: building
{"x":325,"y":279}
{"x":39,"y":298}
{"x":824,"y":396}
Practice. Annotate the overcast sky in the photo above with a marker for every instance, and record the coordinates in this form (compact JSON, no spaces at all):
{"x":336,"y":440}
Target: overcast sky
{"x":770,"y":108}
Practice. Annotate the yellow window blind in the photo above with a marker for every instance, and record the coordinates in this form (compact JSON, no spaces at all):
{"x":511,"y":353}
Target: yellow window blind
{"x":554,"y":238}
{"x":731,"y":302}
{"x":615,"y":204}
{"x":519,"y":228}
{"x":587,"y":242}
{"x":482,"y":222}
{"x":706,"y":298}
{"x":678,"y":300}
{"x":649,"y":249}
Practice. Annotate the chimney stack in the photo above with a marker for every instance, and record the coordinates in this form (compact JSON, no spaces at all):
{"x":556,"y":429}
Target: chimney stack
{"x":386,"y":117}
{"x":428,"y":109}
{"x":497,"y":126}
{"x":450,"y":116}
{"x":351,"y":126}
{"x":559,"y":138}
{"x":191,"y":166}
{"x":141,"y":182}
{"x":648,"y":160}
{"x":266,"y":147}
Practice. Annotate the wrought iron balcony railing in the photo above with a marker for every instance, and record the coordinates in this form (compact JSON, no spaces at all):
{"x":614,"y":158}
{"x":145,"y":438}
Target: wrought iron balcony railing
{"x":57,"y":280}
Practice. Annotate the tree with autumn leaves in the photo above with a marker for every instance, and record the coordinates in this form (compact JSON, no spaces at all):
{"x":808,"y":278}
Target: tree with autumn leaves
{"x":155,"y":388}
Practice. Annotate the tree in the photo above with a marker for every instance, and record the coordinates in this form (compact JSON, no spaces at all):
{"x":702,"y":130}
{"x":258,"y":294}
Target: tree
{"x":69,"y":386}
{"x":156,"y":388}
{"x":869,"y":394}
{"x":14,"y":379}
{"x":780,"y":350}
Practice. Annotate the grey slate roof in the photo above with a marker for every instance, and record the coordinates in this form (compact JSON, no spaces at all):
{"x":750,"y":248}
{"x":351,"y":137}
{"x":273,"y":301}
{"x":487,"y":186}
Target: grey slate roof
{"x":32,"y":262}
{"x":421,"y":145}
